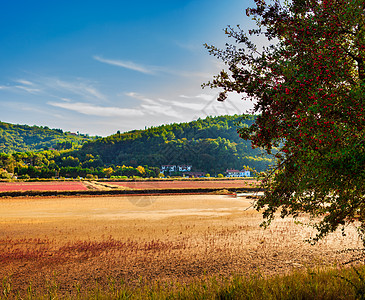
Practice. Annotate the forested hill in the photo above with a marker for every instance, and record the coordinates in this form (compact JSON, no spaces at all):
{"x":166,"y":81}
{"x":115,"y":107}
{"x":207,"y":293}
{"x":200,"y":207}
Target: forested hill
{"x":23,"y":138}
{"x":211,"y":145}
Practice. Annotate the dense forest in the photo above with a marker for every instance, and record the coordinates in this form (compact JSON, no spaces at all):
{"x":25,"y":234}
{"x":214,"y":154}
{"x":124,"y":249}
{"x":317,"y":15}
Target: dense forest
{"x":22,"y":138}
{"x":210,"y":145}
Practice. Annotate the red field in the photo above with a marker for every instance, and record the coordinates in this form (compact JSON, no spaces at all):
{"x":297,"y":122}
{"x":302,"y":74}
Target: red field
{"x":42,"y":186}
{"x":189,"y":184}
{"x":139,"y":185}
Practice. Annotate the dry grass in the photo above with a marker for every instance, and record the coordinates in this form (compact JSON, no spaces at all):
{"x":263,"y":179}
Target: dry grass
{"x":102,"y":186}
{"x":143,"y":240}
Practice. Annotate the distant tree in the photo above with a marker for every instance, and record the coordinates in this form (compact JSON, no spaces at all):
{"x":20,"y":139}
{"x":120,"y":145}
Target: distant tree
{"x":70,"y":161}
{"x":4,"y":174}
{"x":108,"y":171}
{"x":309,"y":92}
{"x":141,"y":170}
{"x":58,"y":130}
{"x":89,"y":176}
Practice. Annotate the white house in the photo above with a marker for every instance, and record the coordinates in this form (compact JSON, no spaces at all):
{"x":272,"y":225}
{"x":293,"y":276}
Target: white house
{"x":184,"y":168}
{"x":237,"y":173}
{"x":174,"y":168}
{"x":168,"y":168}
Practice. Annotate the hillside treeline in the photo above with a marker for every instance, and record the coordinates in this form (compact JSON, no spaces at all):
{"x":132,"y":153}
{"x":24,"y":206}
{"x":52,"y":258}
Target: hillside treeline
{"x":210,"y":145}
{"x":23,"y":138}
{"x":53,"y":164}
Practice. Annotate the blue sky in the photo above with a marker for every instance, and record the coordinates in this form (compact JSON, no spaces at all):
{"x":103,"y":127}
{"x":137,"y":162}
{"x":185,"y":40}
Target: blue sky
{"x":102,"y":66}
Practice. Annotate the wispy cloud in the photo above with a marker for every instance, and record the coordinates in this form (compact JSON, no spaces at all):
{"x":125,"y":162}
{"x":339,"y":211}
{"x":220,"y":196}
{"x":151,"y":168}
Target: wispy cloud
{"x":57,"y":88}
{"x":24,"y":82}
{"x":84,"y":97}
{"x":28,"y":89}
{"x":26,"y":107}
{"x":152,"y":70}
{"x":147,"y":107}
{"x":212,"y":107}
{"x":21,"y":85}
{"x":192,"y":106}
{"x":205,"y":97}
{"x":170,"y":107}
{"x":141,"y":97}
{"x":125,"y":64}
{"x":79,"y":88}
{"x":155,"y":106}
{"x":95,"y":110}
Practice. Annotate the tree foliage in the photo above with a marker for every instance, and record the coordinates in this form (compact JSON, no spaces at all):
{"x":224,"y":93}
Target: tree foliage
{"x":22,"y":138}
{"x":309,"y":87}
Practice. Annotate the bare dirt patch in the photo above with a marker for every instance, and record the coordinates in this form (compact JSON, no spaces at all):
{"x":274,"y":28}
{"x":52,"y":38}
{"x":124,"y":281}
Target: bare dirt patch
{"x":80,"y":240}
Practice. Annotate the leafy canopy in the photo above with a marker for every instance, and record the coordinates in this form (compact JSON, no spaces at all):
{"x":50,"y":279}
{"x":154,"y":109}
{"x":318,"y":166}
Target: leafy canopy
{"x":309,"y":90}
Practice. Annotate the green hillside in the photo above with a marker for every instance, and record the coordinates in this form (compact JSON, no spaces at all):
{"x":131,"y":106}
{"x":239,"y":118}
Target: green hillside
{"x":211,"y":145}
{"x":23,"y":138}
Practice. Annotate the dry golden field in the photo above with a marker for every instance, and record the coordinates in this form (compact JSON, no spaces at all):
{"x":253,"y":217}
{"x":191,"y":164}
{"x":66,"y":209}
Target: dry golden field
{"x":76,"y":241}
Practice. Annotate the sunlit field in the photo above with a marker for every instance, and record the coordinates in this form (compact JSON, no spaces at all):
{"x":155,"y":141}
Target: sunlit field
{"x":75,"y":243}
{"x":42,"y":186}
